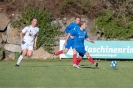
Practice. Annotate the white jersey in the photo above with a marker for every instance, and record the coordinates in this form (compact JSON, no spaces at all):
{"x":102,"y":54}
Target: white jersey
{"x":30,"y":33}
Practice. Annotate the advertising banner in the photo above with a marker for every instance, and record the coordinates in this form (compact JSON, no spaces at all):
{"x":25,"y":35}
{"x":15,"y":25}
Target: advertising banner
{"x":104,"y":49}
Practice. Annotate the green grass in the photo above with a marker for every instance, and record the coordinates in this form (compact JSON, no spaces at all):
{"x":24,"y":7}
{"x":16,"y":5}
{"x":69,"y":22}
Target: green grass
{"x":61,"y":74}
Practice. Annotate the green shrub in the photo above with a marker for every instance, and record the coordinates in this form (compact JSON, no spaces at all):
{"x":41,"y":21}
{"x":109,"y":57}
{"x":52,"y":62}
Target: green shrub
{"x":67,"y":2}
{"x":120,"y":28}
{"x":47,"y":32}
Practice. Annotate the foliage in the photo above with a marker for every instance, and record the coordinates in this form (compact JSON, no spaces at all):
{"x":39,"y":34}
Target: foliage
{"x":67,"y":2}
{"x":90,"y":8}
{"x":47,"y":32}
{"x":116,"y":23}
{"x":85,"y":4}
{"x":17,"y":54}
{"x":113,"y":17}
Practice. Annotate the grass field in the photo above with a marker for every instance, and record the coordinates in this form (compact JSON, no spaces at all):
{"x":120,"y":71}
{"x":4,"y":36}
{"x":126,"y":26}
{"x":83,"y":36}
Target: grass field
{"x":61,"y":74}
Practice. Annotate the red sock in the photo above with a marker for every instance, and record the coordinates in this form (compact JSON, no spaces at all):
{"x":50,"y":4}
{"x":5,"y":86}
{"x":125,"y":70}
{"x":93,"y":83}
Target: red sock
{"x":74,"y":59}
{"x":91,"y":60}
{"x":58,"y":53}
{"x":78,"y":60}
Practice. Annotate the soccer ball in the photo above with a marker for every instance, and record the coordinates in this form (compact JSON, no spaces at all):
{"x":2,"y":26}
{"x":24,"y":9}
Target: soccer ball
{"x":113,"y":64}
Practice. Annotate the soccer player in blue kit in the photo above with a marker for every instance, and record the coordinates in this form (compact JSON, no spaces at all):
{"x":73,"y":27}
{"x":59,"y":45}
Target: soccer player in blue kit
{"x":79,"y":35}
{"x":70,"y":41}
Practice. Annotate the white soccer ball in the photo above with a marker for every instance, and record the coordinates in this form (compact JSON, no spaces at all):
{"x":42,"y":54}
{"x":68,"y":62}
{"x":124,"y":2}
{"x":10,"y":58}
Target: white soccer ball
{"x":113,"y":64}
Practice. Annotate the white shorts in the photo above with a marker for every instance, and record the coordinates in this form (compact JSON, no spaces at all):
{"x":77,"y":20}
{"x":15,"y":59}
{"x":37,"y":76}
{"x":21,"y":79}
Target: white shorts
{"x":26,"y":45}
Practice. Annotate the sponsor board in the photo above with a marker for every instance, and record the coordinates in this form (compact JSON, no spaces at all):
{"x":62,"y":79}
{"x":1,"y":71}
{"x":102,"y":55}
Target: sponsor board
{"x":104,"y":49}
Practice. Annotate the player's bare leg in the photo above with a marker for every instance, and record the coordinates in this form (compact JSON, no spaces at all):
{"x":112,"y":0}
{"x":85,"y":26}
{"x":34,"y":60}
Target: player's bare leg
{"x":29,"y":53}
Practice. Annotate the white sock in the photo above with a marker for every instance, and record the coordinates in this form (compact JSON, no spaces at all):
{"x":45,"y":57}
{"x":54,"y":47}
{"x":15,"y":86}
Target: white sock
{"x":19,"y":59}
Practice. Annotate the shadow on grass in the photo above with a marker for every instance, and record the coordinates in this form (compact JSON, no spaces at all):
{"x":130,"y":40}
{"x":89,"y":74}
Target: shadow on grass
{"x":82,"y":66}
{"x":86,"y":66}
{"x":64,"y":65}
{"x":89,"y":67}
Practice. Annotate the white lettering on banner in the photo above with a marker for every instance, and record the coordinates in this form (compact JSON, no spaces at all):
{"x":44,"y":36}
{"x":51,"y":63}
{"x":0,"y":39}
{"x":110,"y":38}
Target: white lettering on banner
{"x":109,"y":50}
{"x":119,"y":50}
{"x":115,"y":50}
{"x":103,"y":55}
{"x":131,"y":50}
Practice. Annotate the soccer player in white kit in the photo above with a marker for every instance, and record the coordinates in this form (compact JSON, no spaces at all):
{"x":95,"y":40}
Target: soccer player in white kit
{"x":28,"y":42}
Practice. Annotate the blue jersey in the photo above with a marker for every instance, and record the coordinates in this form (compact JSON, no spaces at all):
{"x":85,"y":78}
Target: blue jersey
{"x":71,"y":26}
{"x":79,"y":36}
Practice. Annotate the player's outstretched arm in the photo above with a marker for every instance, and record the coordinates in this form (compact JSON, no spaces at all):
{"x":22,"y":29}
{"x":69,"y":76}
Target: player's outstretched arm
{"x":88,"y":39}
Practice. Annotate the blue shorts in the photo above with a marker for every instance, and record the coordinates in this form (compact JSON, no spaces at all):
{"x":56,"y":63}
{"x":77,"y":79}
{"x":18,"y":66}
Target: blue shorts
{"x":81,"y":51}
{"x":70,"y":43}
